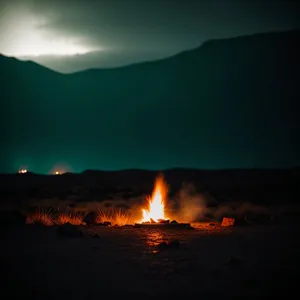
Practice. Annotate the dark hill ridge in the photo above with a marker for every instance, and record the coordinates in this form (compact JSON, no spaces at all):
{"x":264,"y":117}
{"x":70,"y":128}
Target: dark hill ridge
{"x":233,"y":102}
{"x":177,"y":176}
{"x":256,"y":45}
{"x":263,"y":186}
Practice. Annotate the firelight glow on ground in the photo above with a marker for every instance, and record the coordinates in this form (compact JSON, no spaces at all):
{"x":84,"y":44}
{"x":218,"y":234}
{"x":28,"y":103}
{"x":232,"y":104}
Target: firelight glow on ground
{"x":156,"y":202}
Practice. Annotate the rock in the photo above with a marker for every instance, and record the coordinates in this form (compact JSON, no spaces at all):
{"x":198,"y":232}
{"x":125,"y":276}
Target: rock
{"x":90,"y":218}
{"x":175,"y":244}
{"x":12,"y":218}
{"x":69,"y":231}
{"x":227,"y":222}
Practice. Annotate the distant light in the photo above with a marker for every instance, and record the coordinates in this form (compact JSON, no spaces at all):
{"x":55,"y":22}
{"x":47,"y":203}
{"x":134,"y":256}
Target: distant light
{"x":57,"y":173}
{"x":22,"y":171}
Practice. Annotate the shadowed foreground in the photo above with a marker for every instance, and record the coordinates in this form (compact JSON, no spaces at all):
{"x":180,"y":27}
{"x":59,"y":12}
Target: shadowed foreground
{"x":210,"y":262}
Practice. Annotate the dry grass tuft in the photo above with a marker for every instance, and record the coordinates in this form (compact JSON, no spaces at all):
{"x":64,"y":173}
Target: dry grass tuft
{"x":46,"y":217}
{"x":115,"y":216}
{"x":74,"y":218}
{"x":41,"y":216}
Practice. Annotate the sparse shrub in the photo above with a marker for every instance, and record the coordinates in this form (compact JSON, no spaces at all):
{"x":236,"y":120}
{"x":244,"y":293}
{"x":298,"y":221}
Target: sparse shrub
{"x":41,"y":216}
{"x":114,"y":216}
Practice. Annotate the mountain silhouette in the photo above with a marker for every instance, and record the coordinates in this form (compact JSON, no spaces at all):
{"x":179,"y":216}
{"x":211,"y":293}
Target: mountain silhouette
{"x":229,"y":103}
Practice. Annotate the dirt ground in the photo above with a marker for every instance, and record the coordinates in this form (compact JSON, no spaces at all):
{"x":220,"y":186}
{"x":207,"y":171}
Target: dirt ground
{"x":210,"y":263}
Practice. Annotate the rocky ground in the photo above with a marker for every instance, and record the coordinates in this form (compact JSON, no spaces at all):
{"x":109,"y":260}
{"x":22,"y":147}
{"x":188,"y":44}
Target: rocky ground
{"x":209,"y":262}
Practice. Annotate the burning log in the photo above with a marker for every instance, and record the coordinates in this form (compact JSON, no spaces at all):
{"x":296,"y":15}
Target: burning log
{"x":163,"y":221}
{"x":164,"y":225}
{"x":107,"y":224}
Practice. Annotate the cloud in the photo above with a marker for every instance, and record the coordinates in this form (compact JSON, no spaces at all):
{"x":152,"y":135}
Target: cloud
{"x":164,"y":27}
{"x":30,"y":30}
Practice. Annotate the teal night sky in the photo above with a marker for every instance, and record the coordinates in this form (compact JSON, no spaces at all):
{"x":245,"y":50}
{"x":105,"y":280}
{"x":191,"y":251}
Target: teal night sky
{"x":228,"y":103}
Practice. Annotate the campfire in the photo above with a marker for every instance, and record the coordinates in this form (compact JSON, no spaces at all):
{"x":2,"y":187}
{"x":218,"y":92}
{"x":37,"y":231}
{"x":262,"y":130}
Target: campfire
{"x":154,"y":213}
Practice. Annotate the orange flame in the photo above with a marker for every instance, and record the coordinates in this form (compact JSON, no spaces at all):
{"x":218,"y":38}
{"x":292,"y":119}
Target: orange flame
{"x":156,"y":202}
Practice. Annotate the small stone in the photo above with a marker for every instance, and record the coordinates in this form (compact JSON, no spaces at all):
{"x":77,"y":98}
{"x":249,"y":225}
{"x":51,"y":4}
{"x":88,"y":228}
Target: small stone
{"x":227,"y":222}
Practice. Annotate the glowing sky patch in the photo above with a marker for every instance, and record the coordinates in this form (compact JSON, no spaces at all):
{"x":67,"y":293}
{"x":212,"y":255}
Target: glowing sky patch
{"x":37,"y":46}
{"x":27,"y":35}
